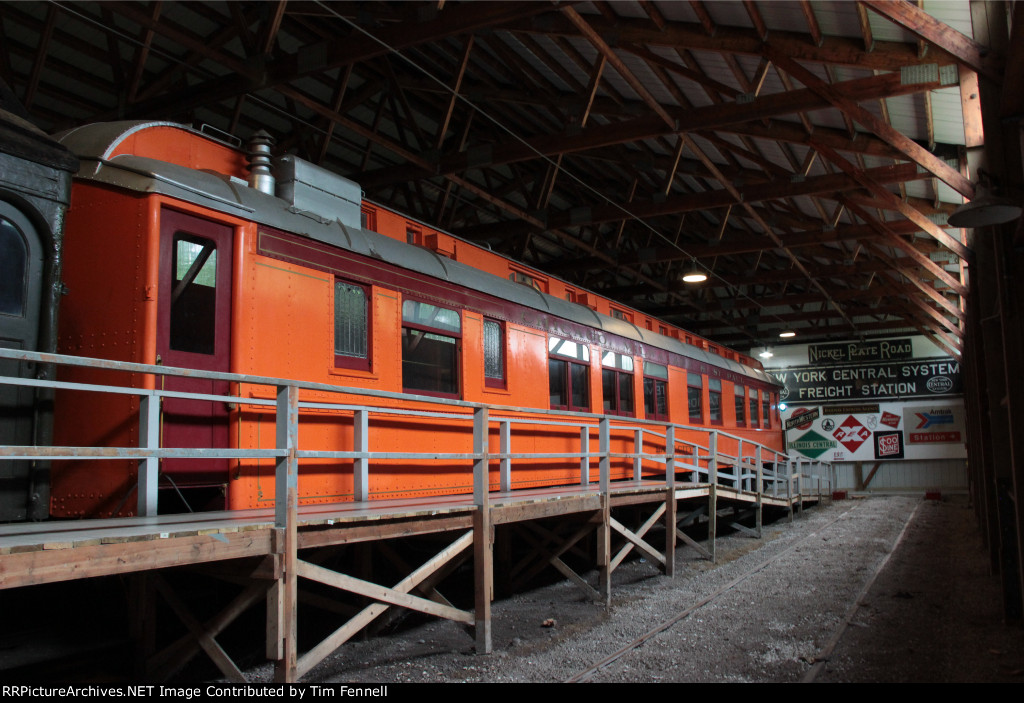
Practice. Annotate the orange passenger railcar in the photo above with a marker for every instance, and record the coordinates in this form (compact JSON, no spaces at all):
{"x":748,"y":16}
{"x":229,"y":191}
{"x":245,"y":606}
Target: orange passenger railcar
{"x":172,"y":258}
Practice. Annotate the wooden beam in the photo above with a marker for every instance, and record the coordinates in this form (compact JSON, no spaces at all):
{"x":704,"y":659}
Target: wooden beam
{"x":912,"y":149}
{"x":844,"y":51}
{"x":668,"y":121}
{"x":915,"y":20}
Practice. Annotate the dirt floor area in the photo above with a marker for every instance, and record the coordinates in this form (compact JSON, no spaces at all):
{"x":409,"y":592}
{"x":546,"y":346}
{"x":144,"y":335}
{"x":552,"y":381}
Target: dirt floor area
{"x":789,"y":607}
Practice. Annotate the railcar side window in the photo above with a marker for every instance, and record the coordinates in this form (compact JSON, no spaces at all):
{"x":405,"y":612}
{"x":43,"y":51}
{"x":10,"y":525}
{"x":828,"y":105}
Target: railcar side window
{"x":193,"y":294}
{"x":766,"y":409}
{"x":368,"y":218}
{"x":569,"y":381}
{"x":753,"y":407}
{"x":351,"y":326}
{"x":13,"y":267}
{"x":741,"y":403}
{"x":430,"y":348}
{"x":617,"y":383}
{"x":694,"y":397}
{"x":494,"y":354}
{"x":715,"y":401}
{"x":655,"y":391}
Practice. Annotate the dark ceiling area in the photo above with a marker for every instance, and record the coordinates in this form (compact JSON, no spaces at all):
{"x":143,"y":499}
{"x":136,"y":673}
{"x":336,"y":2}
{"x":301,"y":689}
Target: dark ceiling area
{"x":805,"y":155}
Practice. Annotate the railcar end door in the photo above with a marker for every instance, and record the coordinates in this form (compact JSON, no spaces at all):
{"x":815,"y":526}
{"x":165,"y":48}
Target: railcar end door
{"x":194,"y":332}
{"x":21,"y":270}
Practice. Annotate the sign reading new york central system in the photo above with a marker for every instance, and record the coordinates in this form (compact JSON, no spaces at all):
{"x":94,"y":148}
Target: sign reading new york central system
{"x":912,"y":378}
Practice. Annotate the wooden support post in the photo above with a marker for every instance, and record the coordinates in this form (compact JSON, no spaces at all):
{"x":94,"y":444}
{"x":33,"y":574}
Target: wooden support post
{"x":284,"y":594}
{"x":584,"y":456}
{"x":505,"y":463}
{"x":604,"y":530}
{"x":760,"y":489}
{"x":638,"y":450}
{"x":361,"y":466}
{"x":712,"y":493}
{"x":483,"y":555}
{"x":670,"y":501}
{"x":149,"y":468}
{"x":142,"y":621}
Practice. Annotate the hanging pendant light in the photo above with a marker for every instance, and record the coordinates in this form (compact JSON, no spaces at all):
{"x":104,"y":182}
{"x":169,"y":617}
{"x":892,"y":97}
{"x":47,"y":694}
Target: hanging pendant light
{"x":695,"y":275}
{"x":986,"y":208}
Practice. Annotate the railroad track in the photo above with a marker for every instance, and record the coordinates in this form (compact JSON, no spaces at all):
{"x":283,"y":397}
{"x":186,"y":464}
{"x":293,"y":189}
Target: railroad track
{"x":818,"y":660}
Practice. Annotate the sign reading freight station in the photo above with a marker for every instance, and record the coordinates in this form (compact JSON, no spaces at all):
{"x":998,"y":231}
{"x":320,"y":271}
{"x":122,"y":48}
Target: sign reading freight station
{"x":917,"y":378}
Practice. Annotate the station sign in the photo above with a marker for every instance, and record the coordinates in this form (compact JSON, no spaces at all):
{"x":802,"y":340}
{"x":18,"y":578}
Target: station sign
{"x":898,"y":380}
{"x":860,"y":352}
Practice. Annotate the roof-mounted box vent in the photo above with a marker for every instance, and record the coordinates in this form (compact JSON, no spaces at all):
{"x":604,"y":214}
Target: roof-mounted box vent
{"x":309,"y":188}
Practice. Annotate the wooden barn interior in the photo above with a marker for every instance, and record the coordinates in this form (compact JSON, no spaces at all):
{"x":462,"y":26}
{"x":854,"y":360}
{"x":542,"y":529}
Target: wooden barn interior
{"x":811,"y":158}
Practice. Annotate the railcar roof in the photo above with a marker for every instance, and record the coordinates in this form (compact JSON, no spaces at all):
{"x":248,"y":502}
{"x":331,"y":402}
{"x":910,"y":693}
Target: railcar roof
{"x":94,"y":144}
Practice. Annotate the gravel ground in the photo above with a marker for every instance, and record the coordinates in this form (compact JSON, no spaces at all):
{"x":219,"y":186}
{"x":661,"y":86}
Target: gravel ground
{"x":932,"y":614}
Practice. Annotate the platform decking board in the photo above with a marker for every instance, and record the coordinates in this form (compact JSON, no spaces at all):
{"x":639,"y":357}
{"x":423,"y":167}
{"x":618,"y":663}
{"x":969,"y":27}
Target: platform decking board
{"x":71,"y":549}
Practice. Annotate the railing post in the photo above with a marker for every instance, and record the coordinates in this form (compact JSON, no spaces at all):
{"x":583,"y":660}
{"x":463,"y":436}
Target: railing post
{"x":361,"y":466}
{"x":604,"y":444}
{"x":483,"y":555}
{"x":670,"y":457}
{"x":604,"y":529}
{"x":713,"y":458}
{"x":149,"y":468}
{"x":585,"y":456}
{"x":505,"y":447}
{"x":638,"y":450}
{"x":670,"y":501}
{"x":712,"y":492}
{"x":789,"y":485}
{"x":286,"y":508}
{"x":742,"y":482}
{"x":759,"y":485}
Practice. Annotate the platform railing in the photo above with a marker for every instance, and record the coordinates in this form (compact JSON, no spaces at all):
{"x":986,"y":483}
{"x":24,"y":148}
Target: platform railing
{"x":750,"y":467}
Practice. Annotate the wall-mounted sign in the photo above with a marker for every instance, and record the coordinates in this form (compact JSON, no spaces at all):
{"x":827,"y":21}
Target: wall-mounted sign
{"x":888,"y":445}
{"x":802,"y":418}
{"x":925,"y":424}
{"x":858,"y":409}
{"x":859,"y":352}
{"x":898,"y":380}
{"x":812,"y":444}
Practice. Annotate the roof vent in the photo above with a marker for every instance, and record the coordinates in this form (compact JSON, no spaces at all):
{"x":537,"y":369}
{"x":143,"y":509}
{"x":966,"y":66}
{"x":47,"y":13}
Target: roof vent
{"x":260,"y":176}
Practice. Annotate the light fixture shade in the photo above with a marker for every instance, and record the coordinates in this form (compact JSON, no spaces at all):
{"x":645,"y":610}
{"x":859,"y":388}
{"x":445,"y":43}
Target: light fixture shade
{"x":695,"y":275}
{"x":985,"y":210}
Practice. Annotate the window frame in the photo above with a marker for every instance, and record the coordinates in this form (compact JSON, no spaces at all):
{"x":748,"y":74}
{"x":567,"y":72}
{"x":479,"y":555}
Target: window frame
{"x":619,"y":369}
{"x":740,"y":404}
{"x":690,"y":387}
{"x":655,"y":379}
{"x":489,"y":381}
{"x":348,"y":361}
{"x":580,"y":363}
{"x":754,"y":405}
{"x":715,"y":391}
{"x":456,"y":336}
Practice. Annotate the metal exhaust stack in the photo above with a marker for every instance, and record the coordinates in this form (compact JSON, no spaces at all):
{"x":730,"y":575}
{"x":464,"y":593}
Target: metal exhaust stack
{"x":260,"y":176}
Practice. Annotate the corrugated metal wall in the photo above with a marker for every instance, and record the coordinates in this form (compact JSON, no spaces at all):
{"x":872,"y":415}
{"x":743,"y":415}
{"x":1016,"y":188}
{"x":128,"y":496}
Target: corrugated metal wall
{"x":927,"y":475}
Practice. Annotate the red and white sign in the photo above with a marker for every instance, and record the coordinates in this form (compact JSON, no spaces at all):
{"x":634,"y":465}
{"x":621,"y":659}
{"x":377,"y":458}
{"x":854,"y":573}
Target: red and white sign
{"x":889,"y":445}
{"x":851,"y":434}
{"x":890,"y":419}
